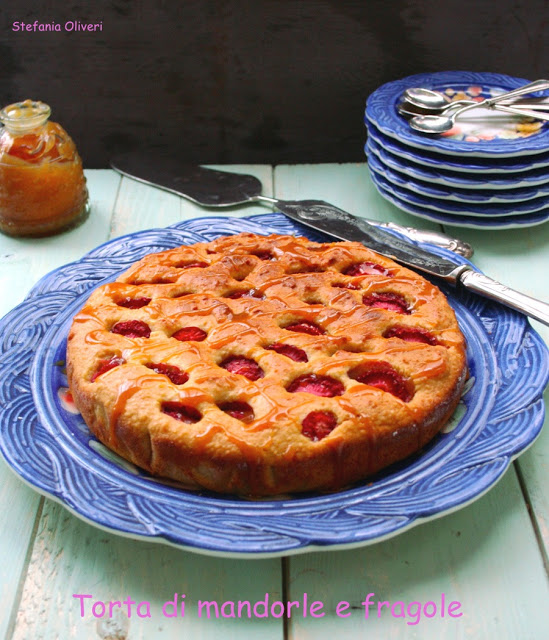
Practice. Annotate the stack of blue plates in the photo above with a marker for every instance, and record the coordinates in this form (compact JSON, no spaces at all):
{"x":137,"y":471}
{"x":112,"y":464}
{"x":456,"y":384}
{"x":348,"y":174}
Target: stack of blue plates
{"x":490,"y":171}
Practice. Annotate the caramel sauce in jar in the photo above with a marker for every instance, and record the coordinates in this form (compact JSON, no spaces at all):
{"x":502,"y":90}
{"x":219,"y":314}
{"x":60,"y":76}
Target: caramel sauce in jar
{"x":42,"y":184}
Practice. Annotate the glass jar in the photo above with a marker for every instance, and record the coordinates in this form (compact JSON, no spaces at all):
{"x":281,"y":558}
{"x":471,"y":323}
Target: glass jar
{"x":42,"y":184}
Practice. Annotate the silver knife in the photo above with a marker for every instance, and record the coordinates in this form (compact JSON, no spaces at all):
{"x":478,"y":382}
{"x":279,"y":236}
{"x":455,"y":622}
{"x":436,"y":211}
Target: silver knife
{"x":338,"y":223}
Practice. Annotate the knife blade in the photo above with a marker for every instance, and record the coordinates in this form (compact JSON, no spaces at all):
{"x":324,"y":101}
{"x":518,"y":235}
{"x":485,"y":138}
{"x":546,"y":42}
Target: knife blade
{"x":337,"y":223}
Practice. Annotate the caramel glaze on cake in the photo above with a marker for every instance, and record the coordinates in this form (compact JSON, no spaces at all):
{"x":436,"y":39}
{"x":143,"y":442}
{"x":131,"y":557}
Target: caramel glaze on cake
{"x":266,"y":364}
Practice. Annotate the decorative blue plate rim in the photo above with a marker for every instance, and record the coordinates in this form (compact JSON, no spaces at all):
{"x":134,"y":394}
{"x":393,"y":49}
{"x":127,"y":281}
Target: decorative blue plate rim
{"x":501,"y":182}
{"x":501,"y":415}
{"x":482,"y":210}
{"x":462,"y":164}
{"x":509,"y":198}
{"x":381,"y":109}
{"x":458,"y":220}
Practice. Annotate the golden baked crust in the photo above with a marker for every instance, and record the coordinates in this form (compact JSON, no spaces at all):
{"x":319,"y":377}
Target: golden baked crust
{"x":266,"y":364}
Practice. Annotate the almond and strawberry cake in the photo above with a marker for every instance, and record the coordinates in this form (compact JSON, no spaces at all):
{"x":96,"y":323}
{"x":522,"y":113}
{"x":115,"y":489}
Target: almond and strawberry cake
{"x":263,"y":365}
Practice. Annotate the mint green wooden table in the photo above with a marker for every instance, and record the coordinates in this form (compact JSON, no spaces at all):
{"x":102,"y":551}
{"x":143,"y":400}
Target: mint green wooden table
{"x":491,"y":556}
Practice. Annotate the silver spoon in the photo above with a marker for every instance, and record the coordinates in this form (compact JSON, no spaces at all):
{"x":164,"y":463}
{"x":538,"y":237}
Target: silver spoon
{"x":429,"y":99}
{"x":531,"y":110}
{"x":408,"y":112}
{"x":442,"y":123}
{"x":435,"y":100}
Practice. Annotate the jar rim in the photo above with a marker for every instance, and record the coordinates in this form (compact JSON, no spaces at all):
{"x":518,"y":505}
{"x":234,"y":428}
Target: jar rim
{"x":25,"y":115}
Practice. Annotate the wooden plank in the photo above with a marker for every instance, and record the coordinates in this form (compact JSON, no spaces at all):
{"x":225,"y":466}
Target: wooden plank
{"x":485,"y":557}
{"x":70,"y":556}
{"x":15,"y":276}
{"x":20,"y":505}
{"x":140,"y":206}
{"x":533,"y":467}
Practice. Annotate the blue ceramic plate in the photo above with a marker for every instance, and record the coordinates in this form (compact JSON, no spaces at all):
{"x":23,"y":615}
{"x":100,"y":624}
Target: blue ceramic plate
{"x":465,"y":164}
{"x":474,"y":209}
{"x":513,"y":198}
{"x":51,"y":448}
{"x":502,"y":185}
{"x":472,"y":222}
{"x":492,"y":135}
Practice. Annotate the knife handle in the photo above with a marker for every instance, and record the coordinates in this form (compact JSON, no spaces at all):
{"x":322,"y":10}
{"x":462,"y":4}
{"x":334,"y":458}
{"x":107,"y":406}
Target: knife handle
{"x":433,"y":237}
{"x":494,"y":290}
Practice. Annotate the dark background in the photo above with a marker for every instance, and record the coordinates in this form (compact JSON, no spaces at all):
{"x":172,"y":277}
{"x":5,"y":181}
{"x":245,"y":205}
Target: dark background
{"x":270,"y":81}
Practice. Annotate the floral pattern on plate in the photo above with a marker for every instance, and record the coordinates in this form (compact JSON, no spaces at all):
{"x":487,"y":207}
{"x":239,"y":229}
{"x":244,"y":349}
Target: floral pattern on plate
{"x":487,"y":124}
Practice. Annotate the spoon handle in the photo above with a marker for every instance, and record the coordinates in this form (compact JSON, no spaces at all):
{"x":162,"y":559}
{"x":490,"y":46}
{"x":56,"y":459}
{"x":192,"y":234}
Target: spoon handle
{"x":538,"y":115}
{"x":473,"y":105}
{"x":524,"y":104}
{"x":537,"y":85}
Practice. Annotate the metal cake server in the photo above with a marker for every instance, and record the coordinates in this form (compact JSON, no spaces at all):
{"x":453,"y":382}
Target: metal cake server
{"x":335,"y":222}
{"x":344,"y":226}
{"x":212,"y":188}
